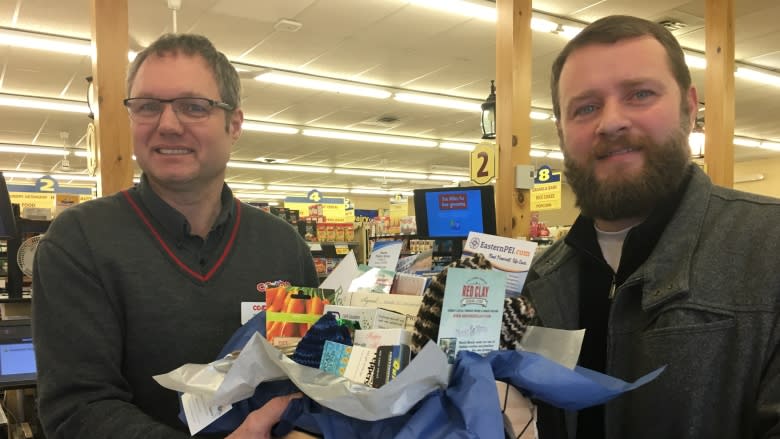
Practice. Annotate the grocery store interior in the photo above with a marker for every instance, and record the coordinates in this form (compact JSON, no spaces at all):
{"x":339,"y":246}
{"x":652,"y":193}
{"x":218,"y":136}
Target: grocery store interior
{"x":350,"y":106}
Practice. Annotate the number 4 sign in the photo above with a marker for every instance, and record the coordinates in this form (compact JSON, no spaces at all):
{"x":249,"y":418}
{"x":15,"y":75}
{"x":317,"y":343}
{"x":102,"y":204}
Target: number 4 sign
{"x":482,"y":163}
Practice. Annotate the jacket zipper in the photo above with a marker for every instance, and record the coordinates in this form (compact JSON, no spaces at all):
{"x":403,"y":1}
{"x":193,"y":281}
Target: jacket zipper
{"x":613,"y":287}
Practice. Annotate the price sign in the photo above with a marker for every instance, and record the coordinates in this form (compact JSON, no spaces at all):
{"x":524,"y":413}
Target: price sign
{"x":342,"y":249}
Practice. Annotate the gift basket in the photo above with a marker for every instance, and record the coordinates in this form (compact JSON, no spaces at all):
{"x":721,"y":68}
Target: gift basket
{"x":369,"y":374}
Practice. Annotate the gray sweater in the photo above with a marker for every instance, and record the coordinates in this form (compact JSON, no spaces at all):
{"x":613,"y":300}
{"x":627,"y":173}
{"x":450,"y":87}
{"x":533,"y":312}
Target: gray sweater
{"x":113,"y":306}
{"x":706,"y":303}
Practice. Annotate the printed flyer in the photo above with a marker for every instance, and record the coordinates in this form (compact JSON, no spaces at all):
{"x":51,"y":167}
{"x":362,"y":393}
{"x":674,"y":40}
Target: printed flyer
{"x":471,"y":312}
{"x":512,"y":256}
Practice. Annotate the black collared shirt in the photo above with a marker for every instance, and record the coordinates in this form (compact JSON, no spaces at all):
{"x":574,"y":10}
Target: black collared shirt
{"x":193,"y":250}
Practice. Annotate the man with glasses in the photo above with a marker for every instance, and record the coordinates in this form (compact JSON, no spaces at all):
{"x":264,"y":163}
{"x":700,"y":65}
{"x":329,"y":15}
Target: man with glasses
{"x":138,"y":283}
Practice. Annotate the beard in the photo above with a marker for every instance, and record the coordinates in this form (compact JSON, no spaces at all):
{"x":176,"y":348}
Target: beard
{"x":624,"y":196}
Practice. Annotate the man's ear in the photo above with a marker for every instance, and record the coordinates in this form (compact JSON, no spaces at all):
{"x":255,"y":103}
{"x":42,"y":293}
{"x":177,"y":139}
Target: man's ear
{"x":693,"y":106}
{"x":236,"y":120}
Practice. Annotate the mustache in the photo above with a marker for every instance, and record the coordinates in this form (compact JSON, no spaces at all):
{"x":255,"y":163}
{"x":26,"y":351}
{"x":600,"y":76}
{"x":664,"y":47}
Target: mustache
{"x":607,"y":146}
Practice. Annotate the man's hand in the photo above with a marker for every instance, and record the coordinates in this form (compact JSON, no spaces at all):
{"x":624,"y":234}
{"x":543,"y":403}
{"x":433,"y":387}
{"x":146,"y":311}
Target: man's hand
{"x":259,"y":423}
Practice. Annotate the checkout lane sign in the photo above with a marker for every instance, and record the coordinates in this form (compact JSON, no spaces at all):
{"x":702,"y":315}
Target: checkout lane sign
{"x":482,"y":163}
{"x":546,"y":193}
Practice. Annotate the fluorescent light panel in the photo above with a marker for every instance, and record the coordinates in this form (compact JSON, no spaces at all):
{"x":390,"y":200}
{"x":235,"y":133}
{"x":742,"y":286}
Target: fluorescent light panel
{"x":39,"y":150}
{"x":453,"y":178}
{"x":363,"y":137}
{"x":438,"y":101}
{"x":249,"y":125}
{"x":49,"y":43}
{"x":758,"y":76}
{"x":486,"y":13}
{"x":37,"y":103}
{"x":457,"y":146}
{"x":322,"y":84}
{"x":272,"y":167}
{"x":386,"y":174}
{"x":304,"y":189}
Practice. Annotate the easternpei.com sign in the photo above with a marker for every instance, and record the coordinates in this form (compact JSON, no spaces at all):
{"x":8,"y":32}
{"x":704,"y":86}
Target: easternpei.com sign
{"x":512,"y":256}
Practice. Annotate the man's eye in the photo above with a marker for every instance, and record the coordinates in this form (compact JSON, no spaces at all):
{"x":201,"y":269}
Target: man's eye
{"x":585,"y":109}
{"x":194,"y":107}
{"x":148,"y":107}
{"x":641,"y":94}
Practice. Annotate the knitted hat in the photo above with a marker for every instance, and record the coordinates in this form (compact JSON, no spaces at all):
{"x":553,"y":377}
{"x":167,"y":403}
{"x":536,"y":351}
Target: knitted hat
{"x":518,"y":311}
{"x":328,"y":327}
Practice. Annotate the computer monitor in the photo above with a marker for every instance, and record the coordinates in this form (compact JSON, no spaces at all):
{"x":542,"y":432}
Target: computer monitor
{"x":454,"y":212}
{"x":17,"y":355}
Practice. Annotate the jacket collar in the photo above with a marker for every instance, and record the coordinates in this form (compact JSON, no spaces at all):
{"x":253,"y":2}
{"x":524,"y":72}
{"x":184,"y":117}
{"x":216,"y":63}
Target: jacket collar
{"x":665,"y":273}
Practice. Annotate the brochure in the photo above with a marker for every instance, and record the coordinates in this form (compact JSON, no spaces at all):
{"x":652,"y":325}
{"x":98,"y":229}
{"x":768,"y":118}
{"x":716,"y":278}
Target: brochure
{"x":471,"y":312}
{"x":512,"y":256}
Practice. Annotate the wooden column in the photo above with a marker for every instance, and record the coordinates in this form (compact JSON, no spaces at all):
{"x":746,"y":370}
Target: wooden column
{"x":109,"y":68}
{"x":719,"y":88}
{"x":513,"y":106}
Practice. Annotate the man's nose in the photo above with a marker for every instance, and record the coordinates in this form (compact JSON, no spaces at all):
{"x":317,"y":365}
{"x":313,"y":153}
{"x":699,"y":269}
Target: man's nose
{"x":169,"y":120}
{"x":613,"y":119}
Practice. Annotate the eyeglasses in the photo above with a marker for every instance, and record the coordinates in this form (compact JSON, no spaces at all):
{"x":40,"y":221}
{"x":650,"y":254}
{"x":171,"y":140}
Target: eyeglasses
{"x":188,"y":110}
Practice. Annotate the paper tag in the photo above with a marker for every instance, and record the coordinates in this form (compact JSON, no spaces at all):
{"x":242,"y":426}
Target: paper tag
{"x":199,"y":413}
{"x":249,"y":309}
{"x":342,"y":249}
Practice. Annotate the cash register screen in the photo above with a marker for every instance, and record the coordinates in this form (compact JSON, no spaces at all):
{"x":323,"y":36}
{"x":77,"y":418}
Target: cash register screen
{"x":17,"y":356}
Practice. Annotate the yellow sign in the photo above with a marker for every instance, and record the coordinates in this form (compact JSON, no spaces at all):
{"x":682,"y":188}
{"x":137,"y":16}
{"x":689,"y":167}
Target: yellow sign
{"x":482,"y":163}
{"x":546,"y":196}
{"x":333,"y":212}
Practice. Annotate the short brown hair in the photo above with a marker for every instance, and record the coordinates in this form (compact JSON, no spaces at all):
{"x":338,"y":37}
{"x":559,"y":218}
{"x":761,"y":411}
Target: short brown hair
{"x":610,"y":30}
{"x":225,"y":74}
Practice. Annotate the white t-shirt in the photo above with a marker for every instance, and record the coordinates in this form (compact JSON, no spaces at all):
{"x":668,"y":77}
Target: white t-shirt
{"x":611,"y":244}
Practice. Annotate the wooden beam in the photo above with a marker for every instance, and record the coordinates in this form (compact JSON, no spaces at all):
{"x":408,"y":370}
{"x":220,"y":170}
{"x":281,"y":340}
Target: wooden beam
{"x":719,"y":91}
{"x":513,"y":106}
{"x":109,"y":67}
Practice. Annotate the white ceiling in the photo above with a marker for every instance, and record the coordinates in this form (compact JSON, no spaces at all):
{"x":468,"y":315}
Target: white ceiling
{"x":390,"y":43}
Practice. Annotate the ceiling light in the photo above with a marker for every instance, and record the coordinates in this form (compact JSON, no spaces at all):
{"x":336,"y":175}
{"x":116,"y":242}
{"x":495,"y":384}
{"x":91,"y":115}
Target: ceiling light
{"x":543,"y":25}
{"x":538,"y":153}
{"x":457,"y":146}
{"x":272,"y":167}
{"x":51,"y":43}
{"x":82,"y":153}
{"x":695,"y":61}
{"x":773,"y":146}
{"x":75,"y":177}
{"x":459,"y":7}
{"x":270,"y":160}
{"x":249,"y":125}
{"x":377,"y":173}
{"x":379,"y":192}
{"x":453,"y":178}
{"x":323,"y":84}
{"x":376,"y":138}
{"x":747,"y":142}
{"x":757,"y":76}
{"x":557,"y":155}
{"x":539,"y":115}
{"x":259,"y":196}
{"x":438,"y":101}
{"x":569,"y":31}
{"x":40,"y":150}
{"x":234,"y":186}
{"x":305,"y":189}
{"x":43,"y":103}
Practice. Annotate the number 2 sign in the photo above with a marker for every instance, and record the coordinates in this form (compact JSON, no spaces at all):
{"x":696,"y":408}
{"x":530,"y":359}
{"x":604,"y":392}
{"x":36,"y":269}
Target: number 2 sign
{"x":482,"y":163}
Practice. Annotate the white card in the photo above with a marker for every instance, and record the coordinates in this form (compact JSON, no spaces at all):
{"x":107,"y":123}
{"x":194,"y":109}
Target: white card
{"x":199,"y":413}
{"x":249,"y":309}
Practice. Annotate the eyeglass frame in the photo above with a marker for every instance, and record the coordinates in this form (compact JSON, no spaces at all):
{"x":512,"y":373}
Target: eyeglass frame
{"x":213,"y":104}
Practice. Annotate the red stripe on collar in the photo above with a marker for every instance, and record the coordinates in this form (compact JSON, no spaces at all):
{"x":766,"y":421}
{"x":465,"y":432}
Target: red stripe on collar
{"x":182,"y":265}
